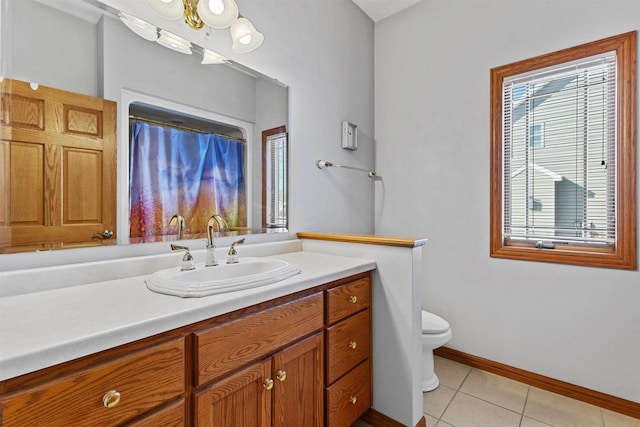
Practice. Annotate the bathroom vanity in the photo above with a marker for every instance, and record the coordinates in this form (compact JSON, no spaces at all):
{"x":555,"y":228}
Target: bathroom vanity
{"x":258,"y":358}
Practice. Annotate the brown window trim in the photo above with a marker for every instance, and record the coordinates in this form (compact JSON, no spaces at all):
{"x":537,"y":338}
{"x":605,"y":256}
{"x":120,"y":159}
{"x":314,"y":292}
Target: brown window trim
{"x":623,"y":254}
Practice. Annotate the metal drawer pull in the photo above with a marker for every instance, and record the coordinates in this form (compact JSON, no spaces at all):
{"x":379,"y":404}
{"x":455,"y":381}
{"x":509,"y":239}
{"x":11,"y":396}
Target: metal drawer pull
{"x":281,"y":375}
{"x":353,"y":299}
{"x":268,"y":384}
{"x":353,"y":344}
{"x":111,"y":399}
{"x":353,"y":400}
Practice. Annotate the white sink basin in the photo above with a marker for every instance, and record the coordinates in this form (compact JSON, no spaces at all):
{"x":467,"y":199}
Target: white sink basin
{"x":203,"y":281}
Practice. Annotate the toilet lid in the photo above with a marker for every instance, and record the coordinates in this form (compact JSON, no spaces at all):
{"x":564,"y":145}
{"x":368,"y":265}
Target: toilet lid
{"x":432,"y":324}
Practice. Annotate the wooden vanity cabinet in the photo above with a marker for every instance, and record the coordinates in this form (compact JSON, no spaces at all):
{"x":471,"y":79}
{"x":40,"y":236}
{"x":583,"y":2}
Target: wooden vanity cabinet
{"x":111,"y":392}
{"x":284,"y":389}
{"x":285,"y":362}
{"x":348,"y":370}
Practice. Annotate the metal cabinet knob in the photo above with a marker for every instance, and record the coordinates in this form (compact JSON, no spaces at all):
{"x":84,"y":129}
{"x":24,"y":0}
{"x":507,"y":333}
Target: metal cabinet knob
{"x":268,"y":384}
{"x":353,"y":400}
{"x":353,"y":344}
{"x":353,"y":299}
{"x":281,"y":375}
{"x":111,"y":399}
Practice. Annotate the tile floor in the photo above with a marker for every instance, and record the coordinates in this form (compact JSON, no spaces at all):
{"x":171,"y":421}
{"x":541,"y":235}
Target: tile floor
{"x":469,"y":397}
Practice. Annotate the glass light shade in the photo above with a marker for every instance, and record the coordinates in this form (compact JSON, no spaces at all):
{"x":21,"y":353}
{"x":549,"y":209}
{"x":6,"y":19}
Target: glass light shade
{"x":244,"y":35}
{"x":211,"y":57}
{"x":174,"y":42}
{"x":170,"y":9}
{"x":218,"y":14}
{"x":140,"y":27}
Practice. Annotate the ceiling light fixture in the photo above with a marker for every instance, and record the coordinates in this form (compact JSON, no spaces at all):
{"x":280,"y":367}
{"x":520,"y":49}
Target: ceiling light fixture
{"x":216,"y":14}
{"x":244,"y":36}
{"x":174,"y":42}
{"x":211,"y":57}
{"x":140,"y":27}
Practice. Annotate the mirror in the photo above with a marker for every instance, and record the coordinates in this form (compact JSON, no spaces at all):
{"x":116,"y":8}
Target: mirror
{"x":132,"y":71}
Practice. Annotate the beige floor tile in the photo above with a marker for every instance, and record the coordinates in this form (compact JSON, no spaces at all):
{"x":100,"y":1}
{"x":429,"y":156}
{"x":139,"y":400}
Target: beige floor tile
{"x":561,"y":411}
{"x":502,"y":391}
{"x":468,"y":411}
{"x":613,"y":419}
{"x":450,"y":373}
{"x":530,"y":422}
{"x":435,"y":402}
{"x":443,"y":424}
{"x":431,"y":421}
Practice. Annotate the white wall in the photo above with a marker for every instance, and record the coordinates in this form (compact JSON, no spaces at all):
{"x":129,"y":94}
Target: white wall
{"x":576,"y":324}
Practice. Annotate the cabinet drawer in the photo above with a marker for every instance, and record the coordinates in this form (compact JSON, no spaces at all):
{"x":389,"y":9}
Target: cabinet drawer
{"x":145,"y":379}
{"x":226,"y":347}
{"x":348,"y":343}
{"x":344,"y":300}
{"x":171,"y":416}
{"x":349,"y":397}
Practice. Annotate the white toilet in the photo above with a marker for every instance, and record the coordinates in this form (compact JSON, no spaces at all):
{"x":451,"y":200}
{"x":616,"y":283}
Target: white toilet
{"x":435,"y":333}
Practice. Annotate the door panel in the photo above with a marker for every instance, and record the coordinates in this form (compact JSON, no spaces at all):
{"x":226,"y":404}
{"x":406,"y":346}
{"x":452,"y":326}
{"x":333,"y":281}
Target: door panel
{"x":237,"y":401}
{"x":298,"y":397}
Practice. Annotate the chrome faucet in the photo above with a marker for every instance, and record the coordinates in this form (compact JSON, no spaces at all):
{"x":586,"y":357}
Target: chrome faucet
{"x":187,"y":260}
{"x":232,"y":256}
{"x":210,"y":258}
{"x":179,"y":220}
{"x":222,"y":224}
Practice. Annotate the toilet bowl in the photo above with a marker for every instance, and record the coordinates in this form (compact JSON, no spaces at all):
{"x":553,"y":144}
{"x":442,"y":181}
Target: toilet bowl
{"x":435,"y":333}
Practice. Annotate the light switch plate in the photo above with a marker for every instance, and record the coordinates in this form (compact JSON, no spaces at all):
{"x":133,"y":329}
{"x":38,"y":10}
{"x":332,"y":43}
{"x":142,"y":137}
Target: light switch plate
{"x":349,"y":136}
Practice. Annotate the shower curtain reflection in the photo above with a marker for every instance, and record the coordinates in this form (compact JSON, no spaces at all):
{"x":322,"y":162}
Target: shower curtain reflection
{"x":173,"y":171}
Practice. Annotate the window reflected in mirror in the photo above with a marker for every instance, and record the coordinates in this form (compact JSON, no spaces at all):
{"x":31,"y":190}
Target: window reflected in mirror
{"x":274,"y":178}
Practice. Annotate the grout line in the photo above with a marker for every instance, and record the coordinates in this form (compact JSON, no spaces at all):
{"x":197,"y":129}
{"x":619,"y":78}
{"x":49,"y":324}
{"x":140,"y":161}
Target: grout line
{"x":447,"y":407}
{"x":454,"y":395}
{"x":526,"y":399}
{"x":492,"y":403}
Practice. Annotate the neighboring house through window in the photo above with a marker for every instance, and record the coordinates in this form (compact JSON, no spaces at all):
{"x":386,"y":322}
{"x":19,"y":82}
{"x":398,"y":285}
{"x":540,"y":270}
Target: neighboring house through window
{"x":563,"y":156}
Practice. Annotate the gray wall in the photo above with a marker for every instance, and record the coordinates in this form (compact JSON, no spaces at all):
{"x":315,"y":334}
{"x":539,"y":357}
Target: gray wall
{"x":49,"y":47}
{"x":577,"y":324}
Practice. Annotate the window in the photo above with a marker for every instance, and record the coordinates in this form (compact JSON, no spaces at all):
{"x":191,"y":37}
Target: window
{"x":274,"y":177}
{"x":563,"y":156}
{"x":536,"y":135}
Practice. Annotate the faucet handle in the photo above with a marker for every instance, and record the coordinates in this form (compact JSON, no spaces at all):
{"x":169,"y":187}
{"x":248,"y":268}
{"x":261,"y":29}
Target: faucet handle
{"x":232,"y":257}
{"x":187,"y":260}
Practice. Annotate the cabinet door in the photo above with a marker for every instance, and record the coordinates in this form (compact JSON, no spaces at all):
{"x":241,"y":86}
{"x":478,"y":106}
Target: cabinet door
{"x":298,"y":389}
{"x":239,"y":400}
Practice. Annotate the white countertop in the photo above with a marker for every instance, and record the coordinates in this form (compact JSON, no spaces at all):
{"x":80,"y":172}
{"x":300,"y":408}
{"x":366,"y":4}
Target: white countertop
{"x":41,"y":329}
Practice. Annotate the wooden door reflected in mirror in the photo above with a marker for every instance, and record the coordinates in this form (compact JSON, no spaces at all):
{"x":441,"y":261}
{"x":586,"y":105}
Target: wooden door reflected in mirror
{"x":58,"y":158}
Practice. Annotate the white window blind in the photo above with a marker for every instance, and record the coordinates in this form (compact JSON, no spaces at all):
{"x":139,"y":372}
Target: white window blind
{"x":276,"y":180}
{"x":559,"y":158}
